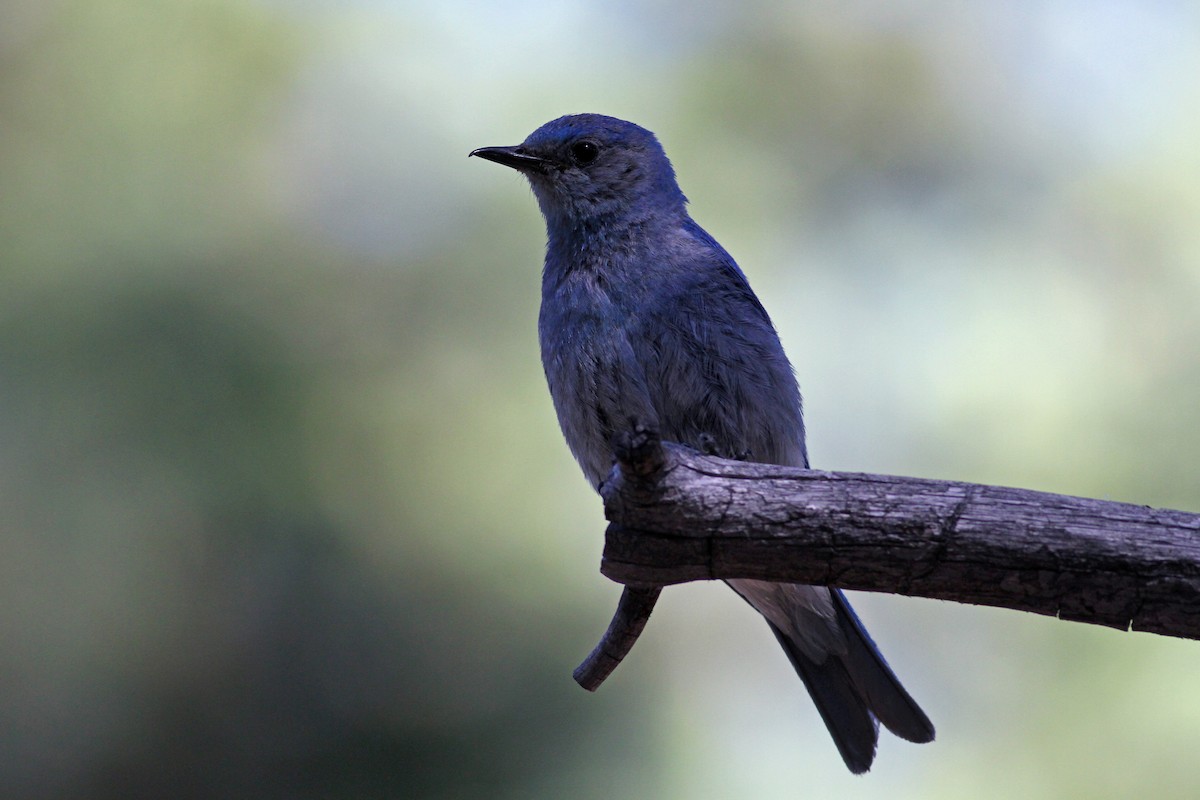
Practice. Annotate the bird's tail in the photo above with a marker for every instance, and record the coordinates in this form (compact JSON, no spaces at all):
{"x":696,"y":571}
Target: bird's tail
{"x":857,"y":690}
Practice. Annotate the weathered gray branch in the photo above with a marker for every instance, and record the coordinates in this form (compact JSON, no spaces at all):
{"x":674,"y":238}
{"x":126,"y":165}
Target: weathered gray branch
{"x":633,"y":611}
{"x":690,"y":516}
{"x":677,"y":515}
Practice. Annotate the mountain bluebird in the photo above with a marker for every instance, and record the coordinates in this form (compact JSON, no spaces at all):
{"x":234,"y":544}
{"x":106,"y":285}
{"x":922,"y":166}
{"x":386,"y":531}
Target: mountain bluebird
{"x":645,"y":317}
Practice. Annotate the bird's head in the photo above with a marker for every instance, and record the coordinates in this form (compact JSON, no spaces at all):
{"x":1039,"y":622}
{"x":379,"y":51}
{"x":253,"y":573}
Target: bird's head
{"x":588,"y":169}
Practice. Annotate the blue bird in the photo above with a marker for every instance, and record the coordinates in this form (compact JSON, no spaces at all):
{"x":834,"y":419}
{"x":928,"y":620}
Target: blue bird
{"x":645,"y":317}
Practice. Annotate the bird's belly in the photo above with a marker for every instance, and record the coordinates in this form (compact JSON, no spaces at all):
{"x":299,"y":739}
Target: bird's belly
{"x":597,"y":386}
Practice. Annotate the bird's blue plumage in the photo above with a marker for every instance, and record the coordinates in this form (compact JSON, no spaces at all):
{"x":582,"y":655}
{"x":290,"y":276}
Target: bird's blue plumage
{"x":645,"y":317}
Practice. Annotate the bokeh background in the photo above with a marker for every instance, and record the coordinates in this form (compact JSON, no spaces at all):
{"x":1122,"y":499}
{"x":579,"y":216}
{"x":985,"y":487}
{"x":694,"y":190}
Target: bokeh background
{"x":284,"y":511}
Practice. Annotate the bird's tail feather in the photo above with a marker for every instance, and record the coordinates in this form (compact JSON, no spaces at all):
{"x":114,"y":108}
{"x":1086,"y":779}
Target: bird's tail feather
{"x":884,"y":695}
{"x":854,"y":730}
{"x":856,"y":691}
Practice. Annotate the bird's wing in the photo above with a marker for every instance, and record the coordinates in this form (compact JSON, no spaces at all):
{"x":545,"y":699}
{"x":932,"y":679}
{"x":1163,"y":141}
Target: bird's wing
{"x":717,"y":374}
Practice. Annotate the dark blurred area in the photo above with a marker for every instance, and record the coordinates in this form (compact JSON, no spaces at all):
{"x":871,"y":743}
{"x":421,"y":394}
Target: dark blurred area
{"x":284,"y":511}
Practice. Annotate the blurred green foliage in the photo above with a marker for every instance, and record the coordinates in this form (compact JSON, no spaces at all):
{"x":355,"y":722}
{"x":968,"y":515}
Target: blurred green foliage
{"x":283,"y":508}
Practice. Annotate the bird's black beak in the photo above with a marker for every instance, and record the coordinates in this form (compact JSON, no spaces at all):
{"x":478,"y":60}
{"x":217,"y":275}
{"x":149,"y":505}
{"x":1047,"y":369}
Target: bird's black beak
{"x":509,"y":157}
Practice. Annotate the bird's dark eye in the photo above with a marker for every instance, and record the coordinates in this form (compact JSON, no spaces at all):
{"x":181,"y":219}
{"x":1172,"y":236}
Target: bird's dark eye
{"x":585,"y":151}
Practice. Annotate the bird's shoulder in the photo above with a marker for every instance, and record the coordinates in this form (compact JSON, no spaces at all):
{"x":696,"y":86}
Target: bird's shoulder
{"x":703,"y":283}
{"x":681,"y":278}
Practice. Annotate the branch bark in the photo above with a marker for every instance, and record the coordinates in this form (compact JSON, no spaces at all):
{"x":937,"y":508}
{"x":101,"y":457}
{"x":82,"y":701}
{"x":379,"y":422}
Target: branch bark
{"x":677,"y":515}
{"x":633,"y":611}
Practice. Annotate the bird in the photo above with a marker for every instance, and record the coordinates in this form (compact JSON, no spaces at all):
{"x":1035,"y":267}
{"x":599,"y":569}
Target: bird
{"x":645,"y":318}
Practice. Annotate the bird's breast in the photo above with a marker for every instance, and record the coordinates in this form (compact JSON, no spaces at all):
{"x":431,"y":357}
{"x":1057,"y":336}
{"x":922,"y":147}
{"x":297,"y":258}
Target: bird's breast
{"x":595,"y":378}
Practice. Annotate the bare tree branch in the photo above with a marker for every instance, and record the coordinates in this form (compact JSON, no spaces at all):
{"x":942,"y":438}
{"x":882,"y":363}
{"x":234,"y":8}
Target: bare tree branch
{"x":639,"y":457}
{"x":633,"y":611}
{"x":677,"y":515}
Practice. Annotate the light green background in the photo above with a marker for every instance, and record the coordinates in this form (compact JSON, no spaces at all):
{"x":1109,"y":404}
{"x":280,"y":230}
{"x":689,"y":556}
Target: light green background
{"x":284,"y":511}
